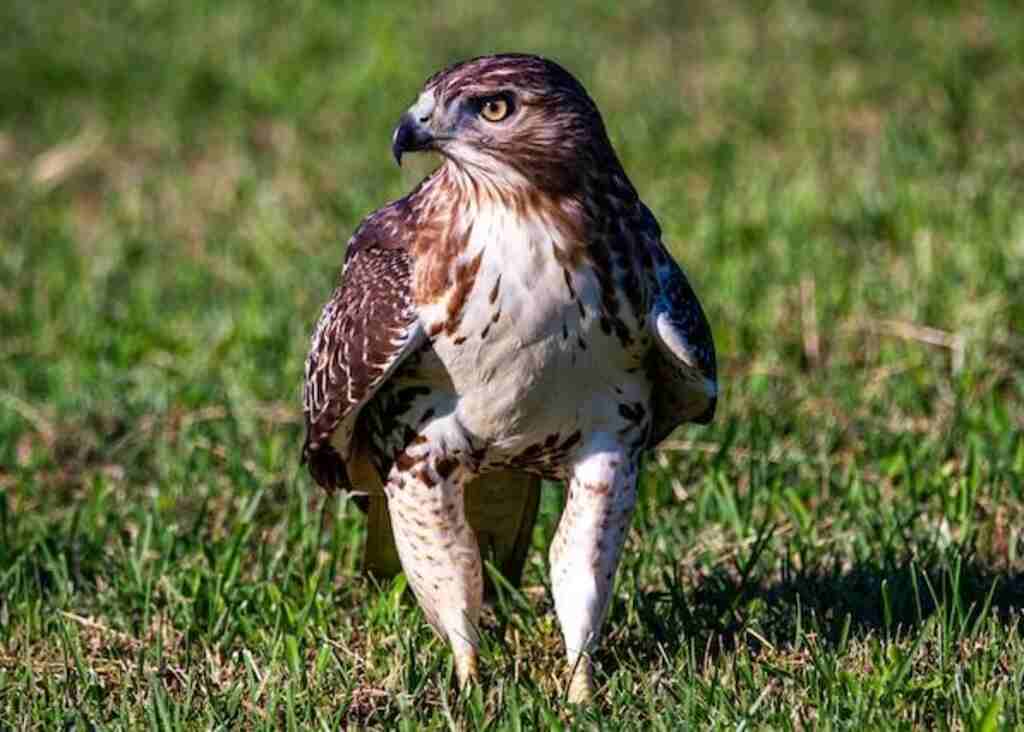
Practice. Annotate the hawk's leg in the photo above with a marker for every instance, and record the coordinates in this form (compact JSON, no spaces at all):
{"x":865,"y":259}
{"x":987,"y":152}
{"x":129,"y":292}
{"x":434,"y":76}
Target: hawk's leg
{"x":438,"y":549}
{"x":586,"y":549}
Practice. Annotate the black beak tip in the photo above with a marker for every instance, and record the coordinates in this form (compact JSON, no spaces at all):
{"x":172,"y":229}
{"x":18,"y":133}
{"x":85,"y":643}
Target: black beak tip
{"x":409,"y":136}
{"x":404,"y":138}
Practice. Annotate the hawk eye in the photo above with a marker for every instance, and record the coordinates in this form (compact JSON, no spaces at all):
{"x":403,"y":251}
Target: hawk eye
{"x":495,"y":109}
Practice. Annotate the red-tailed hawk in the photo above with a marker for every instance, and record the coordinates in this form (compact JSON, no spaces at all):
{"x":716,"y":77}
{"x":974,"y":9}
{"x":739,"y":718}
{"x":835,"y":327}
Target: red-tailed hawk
{"x":516,"y":316}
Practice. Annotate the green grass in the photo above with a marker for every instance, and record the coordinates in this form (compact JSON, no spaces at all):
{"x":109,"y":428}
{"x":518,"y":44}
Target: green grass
{"x":842,"y":548}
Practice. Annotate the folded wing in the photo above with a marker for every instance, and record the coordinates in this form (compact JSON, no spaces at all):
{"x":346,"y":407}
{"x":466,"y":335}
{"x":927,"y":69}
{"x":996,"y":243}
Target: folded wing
{"x":682,"y":364}
{"x":365,"y":332}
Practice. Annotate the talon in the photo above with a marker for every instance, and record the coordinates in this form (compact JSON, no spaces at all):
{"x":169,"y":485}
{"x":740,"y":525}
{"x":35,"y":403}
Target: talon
{"x":466,"y":669}
{"x":581,"y":685}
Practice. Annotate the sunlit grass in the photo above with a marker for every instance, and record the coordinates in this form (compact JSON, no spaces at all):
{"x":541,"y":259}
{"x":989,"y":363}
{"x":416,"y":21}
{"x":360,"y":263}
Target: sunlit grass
{"x":841,"y":548}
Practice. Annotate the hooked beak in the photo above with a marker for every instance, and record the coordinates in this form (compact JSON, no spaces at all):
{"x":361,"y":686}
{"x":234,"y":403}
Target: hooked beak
{"x":411,"y":135}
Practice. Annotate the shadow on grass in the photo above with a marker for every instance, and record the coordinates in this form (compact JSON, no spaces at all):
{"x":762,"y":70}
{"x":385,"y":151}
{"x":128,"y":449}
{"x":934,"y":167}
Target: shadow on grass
{"x":719,"y":612}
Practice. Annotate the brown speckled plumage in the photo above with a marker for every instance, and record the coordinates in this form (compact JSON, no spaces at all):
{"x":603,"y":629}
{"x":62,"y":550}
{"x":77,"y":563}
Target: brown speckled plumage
{"x":363,"y":333}
{"x":516,"y":311}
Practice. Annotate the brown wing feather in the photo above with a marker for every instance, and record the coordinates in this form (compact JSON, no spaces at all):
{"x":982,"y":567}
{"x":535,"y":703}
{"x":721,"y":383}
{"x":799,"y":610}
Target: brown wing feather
{"x":366,"y":330}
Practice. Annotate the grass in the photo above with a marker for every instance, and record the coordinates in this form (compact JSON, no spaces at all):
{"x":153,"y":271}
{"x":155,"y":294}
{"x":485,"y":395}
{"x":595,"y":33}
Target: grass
{"x":842,"y":548}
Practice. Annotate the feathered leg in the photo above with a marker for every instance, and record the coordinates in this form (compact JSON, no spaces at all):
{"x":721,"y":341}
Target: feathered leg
{"x":438,"y":550}
{"x":501,"y":508}
{"x":586,"y":549}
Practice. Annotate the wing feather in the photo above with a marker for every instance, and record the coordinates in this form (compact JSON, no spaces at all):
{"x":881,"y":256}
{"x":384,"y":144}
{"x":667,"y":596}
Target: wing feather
{"x":682,"y":366}
{"x":365,"y":332}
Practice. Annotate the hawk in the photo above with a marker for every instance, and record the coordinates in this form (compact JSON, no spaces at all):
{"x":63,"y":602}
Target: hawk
{"x":515,"y":317}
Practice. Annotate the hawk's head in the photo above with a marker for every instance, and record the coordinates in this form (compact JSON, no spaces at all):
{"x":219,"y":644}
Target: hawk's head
{"x":509,"y":117}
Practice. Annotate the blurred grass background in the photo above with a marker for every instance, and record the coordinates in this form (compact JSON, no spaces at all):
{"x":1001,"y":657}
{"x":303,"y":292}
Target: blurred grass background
{"x":841,"y":180}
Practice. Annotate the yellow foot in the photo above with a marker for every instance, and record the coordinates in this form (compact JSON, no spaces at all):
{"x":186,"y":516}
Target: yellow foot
{"x":581,"y":685}
{"x":466,"y":668}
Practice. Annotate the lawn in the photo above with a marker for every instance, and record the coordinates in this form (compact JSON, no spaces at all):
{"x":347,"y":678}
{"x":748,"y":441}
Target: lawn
{"x":841,"y":549}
